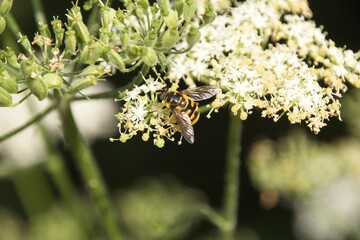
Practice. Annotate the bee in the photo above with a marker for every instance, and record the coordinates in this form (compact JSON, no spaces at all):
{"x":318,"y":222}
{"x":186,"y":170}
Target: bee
{"x":183,"y":106}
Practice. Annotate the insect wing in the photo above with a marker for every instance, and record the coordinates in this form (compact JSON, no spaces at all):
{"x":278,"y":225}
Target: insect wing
{"x":201,"y":93}
{"x":186,"y":127}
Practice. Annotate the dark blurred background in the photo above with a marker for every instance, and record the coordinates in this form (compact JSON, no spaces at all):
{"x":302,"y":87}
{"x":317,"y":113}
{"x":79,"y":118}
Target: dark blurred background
{"x":201,"y":165}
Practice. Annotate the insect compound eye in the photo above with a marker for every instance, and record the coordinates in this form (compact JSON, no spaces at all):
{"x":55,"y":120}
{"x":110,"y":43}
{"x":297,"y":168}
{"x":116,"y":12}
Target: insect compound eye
{"x":161,"y":93}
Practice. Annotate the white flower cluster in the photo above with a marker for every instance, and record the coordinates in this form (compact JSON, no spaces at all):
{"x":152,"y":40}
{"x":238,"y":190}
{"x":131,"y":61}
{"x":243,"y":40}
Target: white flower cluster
{"x":141,"y":111}
{"x":240,"y":52}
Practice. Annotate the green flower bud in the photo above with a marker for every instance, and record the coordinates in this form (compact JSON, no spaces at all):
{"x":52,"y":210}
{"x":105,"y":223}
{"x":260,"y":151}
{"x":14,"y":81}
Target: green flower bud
{"x":143,"y":3}
{"x":8,"y":82}
{"x":82,"y":32}
{"x":149,"y":56}
{"x":179,"y":6}
{"x":132,"y":51}
{"x":170,"y":38}
{"x":44,"y":30}
{"x":139,"y":11}
{"x":91,"y":53}
{"x":28,"y":67}
{"x":120,"y":15}
{"x":210,"y":13}
{"x":59,"y":32}
{"x":82,"y":84}
{"x":193,"y":36}
{"x":171,"y":20}
{"x":112,"y":56}
{"x":53,"y":80}
{"x":108,"y":15}
{"x":5,"y":6}
{"x":124,"y":36}
{"x":11,"y":58}
{"x":2,"y":24}
{"x":164,"y":6}
{"x":150,"y":38}
{"x":70,"y":42}
{"x":25,"y":43}
{"x":38,"y":87}
{"x":96,"y":70}
{"x":5,"y":98}
{"x":189,"y":9}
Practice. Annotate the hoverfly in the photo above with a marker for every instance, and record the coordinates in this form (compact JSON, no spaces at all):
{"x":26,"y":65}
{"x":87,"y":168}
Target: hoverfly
{"x":183,"y":106}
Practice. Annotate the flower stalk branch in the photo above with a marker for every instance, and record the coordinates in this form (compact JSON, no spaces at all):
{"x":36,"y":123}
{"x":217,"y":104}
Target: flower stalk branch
{"x":90,"y":171}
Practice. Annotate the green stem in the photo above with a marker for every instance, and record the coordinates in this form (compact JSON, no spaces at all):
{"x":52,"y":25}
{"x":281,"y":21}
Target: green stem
{"x":28,"y":123}
{"x":232,"y":174}
{"x":38,"y":12}
{"x":89,"y":170}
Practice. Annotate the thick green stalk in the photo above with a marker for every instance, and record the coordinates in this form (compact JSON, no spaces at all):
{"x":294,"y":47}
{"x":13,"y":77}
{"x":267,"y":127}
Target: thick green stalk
{"x":89,"y":170}
{"x":232,"y":182}
{"x":38,"y":11}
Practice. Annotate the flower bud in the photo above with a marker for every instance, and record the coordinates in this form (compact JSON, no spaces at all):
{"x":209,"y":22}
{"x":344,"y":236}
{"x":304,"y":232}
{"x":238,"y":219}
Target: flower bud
{"x":150,"y":38}
{"x":82,"y":32}
{"x":11,"y":58}
{"x":143,"y":3}
{"x":28,"y":67}
{"x":24,"y":41}
{"x":170,"y":38}
{"x":5,"y":6}
{"x":210,"y":14}
{"x":193,"y":36}
{"x":112,"y":56}
{"x":70,"y":42}
{"x":124,"y":36}
{"x":179,"y":6}
{"x":8,"y":82}
{"x":164,"y":6}
{"x":132,"y":51}
{"x":171,"y":20}
{"x":149,"y":56}
{"x":91,"y":53}
{"x":38,"y":87}
{"x":5,"y":98}
{"x":82,"y":84}
{"x":2,"y":24}
{"x":58,"y":31}
{"x":44,"y":30}
{"x":53,"y":80}
{"x":95,"y":70}
{"x":108,"y":15}
{"x":189,"y":9}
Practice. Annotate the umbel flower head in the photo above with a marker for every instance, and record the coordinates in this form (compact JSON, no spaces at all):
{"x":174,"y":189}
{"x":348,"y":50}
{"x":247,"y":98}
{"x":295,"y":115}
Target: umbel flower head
{"x":267,"y":57}
{"x":142,"y":112}
{"x":255,"y":71}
